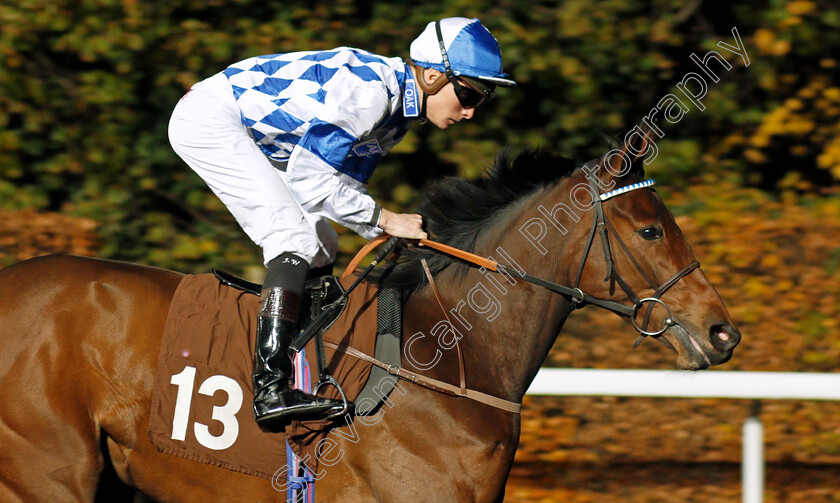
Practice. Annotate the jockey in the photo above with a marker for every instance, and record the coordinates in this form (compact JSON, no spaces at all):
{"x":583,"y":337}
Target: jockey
{"x":287,"y":141}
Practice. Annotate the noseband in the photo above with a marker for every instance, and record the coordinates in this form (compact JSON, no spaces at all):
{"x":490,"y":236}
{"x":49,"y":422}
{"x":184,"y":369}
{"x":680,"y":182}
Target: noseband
{"x":602,"y":226}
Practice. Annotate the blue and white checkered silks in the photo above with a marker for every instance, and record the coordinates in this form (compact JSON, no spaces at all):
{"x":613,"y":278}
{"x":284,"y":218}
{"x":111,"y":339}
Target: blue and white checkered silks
{"x":327,"y":118}
{"x":325,"y":101}
{"x":626,"y":189}
{"x":471,"y":49}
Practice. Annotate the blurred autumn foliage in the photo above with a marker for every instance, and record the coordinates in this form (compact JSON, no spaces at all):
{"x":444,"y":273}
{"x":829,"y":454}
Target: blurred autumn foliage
{"x":27,"y":233}
{"x":86,"y":89}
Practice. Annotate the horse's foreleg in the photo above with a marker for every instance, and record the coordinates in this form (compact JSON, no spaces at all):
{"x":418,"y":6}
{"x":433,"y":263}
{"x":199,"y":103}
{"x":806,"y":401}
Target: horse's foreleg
{"x":44,"y":456}
{"x":49,"y":443}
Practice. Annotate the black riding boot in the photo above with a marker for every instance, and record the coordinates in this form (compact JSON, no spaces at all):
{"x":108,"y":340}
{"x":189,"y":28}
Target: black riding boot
{"x":275,"y":401}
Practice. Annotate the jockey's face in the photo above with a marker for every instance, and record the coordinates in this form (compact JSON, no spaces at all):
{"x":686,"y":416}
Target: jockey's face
{"x":443,"y":108}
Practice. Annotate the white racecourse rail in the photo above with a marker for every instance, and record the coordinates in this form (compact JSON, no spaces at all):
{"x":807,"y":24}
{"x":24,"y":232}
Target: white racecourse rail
{"x":706,"y":384}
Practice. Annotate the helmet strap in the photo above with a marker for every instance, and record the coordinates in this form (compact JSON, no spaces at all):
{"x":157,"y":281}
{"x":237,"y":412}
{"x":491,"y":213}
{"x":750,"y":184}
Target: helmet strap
{"x":422,"y":117}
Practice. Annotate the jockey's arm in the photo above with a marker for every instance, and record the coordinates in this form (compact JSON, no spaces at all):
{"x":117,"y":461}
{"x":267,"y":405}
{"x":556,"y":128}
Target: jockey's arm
{"x":322,"y":190}
{"x":325,"y":182}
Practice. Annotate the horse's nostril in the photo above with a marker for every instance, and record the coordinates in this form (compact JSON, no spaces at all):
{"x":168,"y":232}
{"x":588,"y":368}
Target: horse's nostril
{"x":724,"y":337}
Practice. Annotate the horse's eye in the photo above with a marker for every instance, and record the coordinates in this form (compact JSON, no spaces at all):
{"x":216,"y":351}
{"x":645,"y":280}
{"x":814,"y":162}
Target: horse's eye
{"x":651,"y":233}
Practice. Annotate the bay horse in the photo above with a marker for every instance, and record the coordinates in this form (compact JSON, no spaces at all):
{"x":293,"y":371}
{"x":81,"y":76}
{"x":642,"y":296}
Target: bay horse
{"x":81,"y":338}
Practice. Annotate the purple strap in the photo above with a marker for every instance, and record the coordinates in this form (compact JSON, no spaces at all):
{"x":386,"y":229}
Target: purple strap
{"x":301,"y":481}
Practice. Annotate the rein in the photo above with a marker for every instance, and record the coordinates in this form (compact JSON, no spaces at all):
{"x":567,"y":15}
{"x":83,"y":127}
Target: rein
{"x":578,"y":296}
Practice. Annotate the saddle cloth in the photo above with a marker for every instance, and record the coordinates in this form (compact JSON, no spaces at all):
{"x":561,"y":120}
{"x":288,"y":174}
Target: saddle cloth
{"x":201,"y":402}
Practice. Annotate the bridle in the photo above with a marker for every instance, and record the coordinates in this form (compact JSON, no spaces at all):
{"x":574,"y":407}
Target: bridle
{"x":602,"y":226}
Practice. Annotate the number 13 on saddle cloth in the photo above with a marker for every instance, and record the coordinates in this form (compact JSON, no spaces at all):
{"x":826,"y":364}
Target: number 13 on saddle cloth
{"x":202,"y":391}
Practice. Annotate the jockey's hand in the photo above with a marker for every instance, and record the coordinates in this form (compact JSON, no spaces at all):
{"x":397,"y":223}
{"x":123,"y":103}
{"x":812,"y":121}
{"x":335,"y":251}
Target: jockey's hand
{"x":402,"y":225}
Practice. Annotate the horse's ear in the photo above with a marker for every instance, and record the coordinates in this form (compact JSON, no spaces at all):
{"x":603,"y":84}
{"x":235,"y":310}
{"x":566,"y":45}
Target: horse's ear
{"x":638,"y":149}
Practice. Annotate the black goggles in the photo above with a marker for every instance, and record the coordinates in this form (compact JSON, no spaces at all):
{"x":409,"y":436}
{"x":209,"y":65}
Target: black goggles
{"x":470,"y":92}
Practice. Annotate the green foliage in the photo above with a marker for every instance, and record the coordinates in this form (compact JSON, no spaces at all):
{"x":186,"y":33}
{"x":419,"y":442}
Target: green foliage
{"x":86,"y":89}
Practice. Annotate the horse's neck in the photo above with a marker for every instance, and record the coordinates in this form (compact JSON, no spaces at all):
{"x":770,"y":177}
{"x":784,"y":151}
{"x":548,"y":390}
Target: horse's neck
{"x":507,"y":328}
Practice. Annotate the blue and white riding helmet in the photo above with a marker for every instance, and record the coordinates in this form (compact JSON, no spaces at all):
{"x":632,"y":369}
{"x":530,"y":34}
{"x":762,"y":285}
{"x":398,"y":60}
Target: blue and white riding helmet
{"x":469,"y":47}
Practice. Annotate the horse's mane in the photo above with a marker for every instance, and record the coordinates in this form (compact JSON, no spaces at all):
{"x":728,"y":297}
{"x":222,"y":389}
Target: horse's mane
{"x":455,"y":210}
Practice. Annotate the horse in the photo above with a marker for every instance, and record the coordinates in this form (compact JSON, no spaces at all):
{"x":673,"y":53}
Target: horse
{"x":81,"y":339}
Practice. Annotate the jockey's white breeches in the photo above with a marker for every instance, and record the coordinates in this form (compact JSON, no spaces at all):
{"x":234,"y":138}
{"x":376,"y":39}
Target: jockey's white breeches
{"x":206,"y":131}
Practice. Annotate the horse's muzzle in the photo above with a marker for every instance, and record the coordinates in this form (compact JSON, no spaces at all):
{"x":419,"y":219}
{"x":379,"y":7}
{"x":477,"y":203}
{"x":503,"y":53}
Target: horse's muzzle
{"x":724,"y":337}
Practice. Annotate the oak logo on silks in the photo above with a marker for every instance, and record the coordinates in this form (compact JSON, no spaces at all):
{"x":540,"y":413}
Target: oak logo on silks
{"x":367,"y":148}
{"x":410,"y":98}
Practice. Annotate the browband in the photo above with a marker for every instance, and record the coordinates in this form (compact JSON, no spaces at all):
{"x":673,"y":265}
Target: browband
{"x":628,"y":188}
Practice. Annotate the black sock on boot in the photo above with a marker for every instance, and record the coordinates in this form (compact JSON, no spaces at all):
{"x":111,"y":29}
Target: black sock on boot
{"x":288,"y":271}
{"x":280,"y":302}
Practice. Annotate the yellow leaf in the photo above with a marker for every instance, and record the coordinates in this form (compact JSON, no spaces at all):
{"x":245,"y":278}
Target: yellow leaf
{"x":799,"y":8}
{"x":793,"y":103}
{"x":764,"y":39}
{"x":755,"y":156}
{"x":784,"y":285}
{"x":760,"y":141}
{"x":832,"y":93}
{"x":780,"y":48}
{"x":771,"y":261}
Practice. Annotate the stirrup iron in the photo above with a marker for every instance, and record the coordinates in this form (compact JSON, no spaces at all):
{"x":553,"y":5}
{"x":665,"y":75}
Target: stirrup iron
{"x":328,"y":379}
